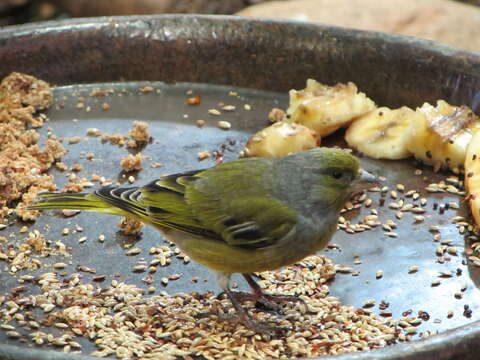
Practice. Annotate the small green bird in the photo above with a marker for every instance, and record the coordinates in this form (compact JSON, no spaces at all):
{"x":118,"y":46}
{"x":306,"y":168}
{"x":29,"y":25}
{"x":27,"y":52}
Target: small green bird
{"x":244,"y":216}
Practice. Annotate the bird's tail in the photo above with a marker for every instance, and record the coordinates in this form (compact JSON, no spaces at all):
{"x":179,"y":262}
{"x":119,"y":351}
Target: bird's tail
{"x":86,"y":202}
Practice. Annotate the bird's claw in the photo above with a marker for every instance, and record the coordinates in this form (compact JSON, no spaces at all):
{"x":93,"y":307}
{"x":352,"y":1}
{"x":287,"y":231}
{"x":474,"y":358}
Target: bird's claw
{"x":269,"y":301}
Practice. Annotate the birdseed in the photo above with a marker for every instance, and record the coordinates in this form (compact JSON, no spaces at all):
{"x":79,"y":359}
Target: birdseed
{"x":224,"y":125}
{"x":123,"y":322}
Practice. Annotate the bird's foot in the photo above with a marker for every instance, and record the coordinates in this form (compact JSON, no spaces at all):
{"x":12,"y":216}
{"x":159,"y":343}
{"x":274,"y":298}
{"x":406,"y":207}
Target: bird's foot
{"x":259,"y":327}
{"x":269,"y":301}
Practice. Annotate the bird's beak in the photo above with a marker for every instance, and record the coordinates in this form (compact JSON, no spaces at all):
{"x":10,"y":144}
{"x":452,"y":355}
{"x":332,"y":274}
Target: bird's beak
{"x":366,"y":177}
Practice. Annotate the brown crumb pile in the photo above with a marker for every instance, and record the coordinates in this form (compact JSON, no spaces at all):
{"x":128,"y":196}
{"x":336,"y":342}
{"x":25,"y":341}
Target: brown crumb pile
{"x":132,"y":162}
{"x":23,"y":164}
{"x":130,"y":226}
{"x":123,"y":322}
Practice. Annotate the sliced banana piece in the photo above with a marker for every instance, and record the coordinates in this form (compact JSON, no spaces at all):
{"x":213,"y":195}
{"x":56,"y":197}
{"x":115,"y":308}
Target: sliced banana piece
{"x":281,"y":139}
{"x":383,"y":133}
{"x":325,"y":109}
{"x":441,"y":137}
{"x":472,"y":176}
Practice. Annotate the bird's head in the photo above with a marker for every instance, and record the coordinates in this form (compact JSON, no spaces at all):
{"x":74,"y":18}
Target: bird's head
{"x":329,"y":175}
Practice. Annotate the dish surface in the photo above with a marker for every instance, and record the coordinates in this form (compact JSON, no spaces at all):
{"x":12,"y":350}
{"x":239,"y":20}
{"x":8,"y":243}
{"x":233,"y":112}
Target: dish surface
{"x":393,"y":70}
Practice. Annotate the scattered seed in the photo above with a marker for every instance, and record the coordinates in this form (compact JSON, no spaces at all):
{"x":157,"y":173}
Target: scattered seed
{"x":369,"y":303}
{"x":133,"y":251}
{"x":214,"y":112}
{"x":13,"y":334}
{"x":419,"y":218}
{"x":411,"y":330}
{"x":413,"y":269}
{"x":224,"y":125}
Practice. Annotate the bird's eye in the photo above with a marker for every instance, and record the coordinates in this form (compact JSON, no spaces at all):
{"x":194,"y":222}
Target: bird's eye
{"x":337,"y":174}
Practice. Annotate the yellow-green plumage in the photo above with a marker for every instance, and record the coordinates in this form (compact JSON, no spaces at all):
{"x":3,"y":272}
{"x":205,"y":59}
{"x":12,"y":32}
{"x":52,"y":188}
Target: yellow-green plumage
{"x":239,"y":209}
{"x":244,"y":216}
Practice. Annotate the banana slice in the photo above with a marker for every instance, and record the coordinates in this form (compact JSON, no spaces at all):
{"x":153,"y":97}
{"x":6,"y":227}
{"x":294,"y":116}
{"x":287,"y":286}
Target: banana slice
{"x":383,"y":133}
{"x":281,"y":139}
{"x":443,"y":134}
{"x":472,"y":176}
{"x":325,"y":109}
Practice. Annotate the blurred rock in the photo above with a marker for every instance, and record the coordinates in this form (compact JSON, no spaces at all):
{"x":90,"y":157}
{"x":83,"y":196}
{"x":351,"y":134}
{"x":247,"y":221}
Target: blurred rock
{"x":6,"y":5}
{"x":80,"y":8}
{"x":448,"y":22}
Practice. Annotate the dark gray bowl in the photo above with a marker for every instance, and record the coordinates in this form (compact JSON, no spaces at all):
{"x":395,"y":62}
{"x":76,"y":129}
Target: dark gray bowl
{"x":270,"y":55}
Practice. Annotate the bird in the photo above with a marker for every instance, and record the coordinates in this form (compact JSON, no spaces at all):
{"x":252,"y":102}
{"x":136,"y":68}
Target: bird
{"x":243,"y":216}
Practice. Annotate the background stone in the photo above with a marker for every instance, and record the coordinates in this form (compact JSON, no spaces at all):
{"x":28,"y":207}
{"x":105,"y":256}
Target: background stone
{"x":448,"y":22}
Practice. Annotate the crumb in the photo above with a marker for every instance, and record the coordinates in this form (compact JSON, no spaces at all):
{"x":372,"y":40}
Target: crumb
{"x":97,"y":92}
{"x":117,"y":139}
{"x":132,"y":162}
{"x":146,"y":89}
{"x":75,"y":184}
{"x":139,"y":132}
{"x":276,"y":115}
{"x":132,"y":144}
{"x":202,"y":155}
{"x":61,"y":166}
{"x":130,"y":226}
{"x":77,"y":167}
{"x":195,"y":100}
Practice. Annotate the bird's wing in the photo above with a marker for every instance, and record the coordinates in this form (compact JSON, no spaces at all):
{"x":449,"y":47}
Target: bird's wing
{"x":231,"y":203}
{"x":235,"y":201}
{"x":165,"y":204}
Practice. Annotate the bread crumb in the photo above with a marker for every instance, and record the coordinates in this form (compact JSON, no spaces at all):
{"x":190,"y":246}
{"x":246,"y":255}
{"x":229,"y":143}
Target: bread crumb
{"x":61,"y":166}
{"x":117,"y":139}
{"x":195,"y":100}
{"x":132,"y":162}
{"x":276,"y":115}
{"x":130,"y":226}
{"x":146,"y":89}
{"x":202,"y":155}
{"x":75,"y":184}
{"x":139,"y":132}
{"x":77,"y":167}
